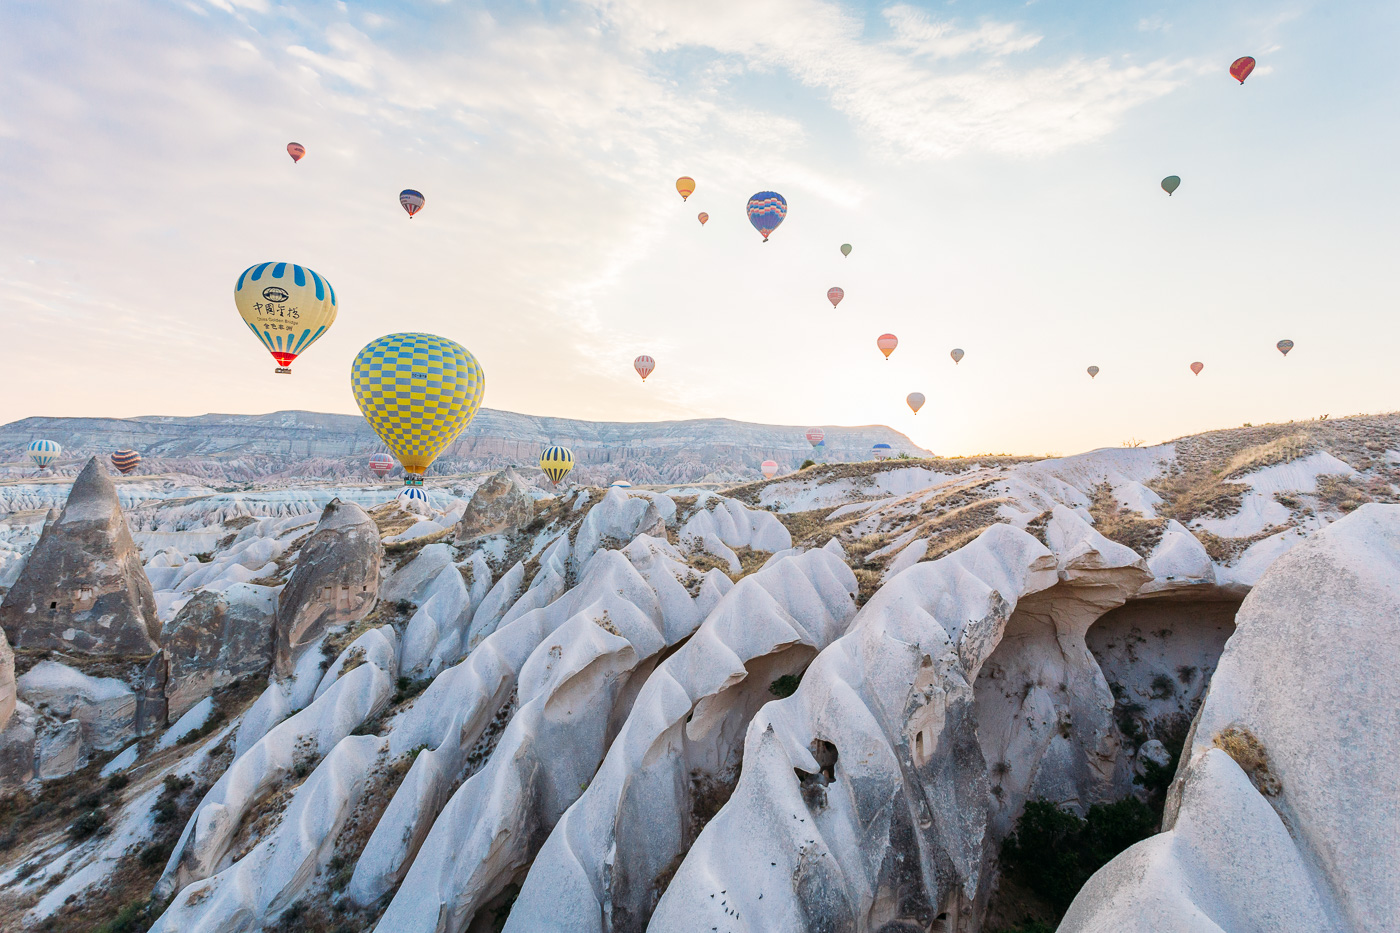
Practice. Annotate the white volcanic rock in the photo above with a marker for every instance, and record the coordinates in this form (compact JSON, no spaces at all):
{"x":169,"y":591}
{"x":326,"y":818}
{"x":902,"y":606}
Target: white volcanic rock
{"x":377,"y":646}
{"x":216,"y":638}
{"x":62,"y":751}
{"x":616,"y":519}
{"x":408,"y":581}
{"x":105,"y":706}
{"x":7,"y":682}
{"x":1179,"y":561}
{"x":500,"y":505}
{"x":1285,"y":810}
{"x":441,"y":617}
{"x":723,"y":524}
{"x":493,"y":607}
{"x":17,"y":748}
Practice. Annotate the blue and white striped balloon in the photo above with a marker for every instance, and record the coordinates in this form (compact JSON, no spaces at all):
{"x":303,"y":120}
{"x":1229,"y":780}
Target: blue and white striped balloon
{"x":44,"y":453}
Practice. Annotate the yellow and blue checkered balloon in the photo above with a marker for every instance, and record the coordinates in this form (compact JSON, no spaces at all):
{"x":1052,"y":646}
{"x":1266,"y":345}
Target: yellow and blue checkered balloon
{"x":418,"y":392}
{"x":556,"y":462}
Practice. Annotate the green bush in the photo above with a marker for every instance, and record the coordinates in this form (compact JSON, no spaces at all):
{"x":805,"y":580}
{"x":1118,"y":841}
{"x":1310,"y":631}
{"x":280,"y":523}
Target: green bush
{"x":806,"y":464}
{"x":785,"y":686}
{"x":86,"y":825}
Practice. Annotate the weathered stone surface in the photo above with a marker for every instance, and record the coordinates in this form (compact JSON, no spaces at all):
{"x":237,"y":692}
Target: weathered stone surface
{"x":501,"y":504}
{"x":152,"y":707}
{"x":105,"y":706}
{"x":83,"y":588}
{"x":17,"y":742}
{"x":62,"y":752}
{"x":217,"y":638}
{"x":7,"y":682}
{"x":336,"y":580}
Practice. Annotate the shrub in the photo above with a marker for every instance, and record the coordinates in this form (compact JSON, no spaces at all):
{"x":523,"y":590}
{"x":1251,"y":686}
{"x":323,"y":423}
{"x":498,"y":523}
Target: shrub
{"x":87,"y":825}
{"x":785,"y":686}
{"x":806,"y":464}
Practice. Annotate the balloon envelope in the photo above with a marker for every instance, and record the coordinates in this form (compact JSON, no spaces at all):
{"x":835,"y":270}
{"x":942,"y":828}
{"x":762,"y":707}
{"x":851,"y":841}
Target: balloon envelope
{"x":296,"y":151}
{"x":881,"y":451}
{"x":286,"y":306}
{"x":957,"y":355}
{"x":703,"y":217}
{"x":1284,"y":346}
{"x":815,"y":436}
{"x":644,"y":365}
{"x":556,"y":462}
{"x":769,"y":468}
{"x":1197,"y":367}
{"x":1170,"y":184}
{"x":412,"y":201}
{"x":916,"y":401}
{"x":845,"y":249}
{"x":887,"y":343}
{"x":686,"y":186}
{"x":44,"y":452}
{"x":1241,"y":67}
{"x":125,"y":461}
{"x":418,"y":391}
{"x":381,"y":465}
{"x":1092,"y":371}
{"x":834,"y":295}
{"x":766,"y":210}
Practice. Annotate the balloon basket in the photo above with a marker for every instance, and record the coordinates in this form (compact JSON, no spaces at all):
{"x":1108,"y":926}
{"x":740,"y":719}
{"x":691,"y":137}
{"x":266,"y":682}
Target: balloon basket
{"x":283,"y":370}
{"x":412,"y":480}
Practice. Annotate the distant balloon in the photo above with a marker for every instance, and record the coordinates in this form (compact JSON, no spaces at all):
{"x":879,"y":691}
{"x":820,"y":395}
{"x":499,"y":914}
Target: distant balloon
{"x":125,"y":461}
{"x":1170,"y":184}
{"x":703,"y":217}
{"x":556,"y":462}
{"x":686,"y":186}
{"x":412,"y":201}
{"x":834,"y":295}
{"x":297,"y":151}
{"x":1284,"y":346}
{"x":412,"y":493}
{"x":815,"y":436}
{"x":915,"y":401}
{"x":957,"y":355}
{"x":881,"y":451}
{"x":1241,"y":67}
{"x":1197,"y":367}
{"x":887,"y":343}
{"x":644,"y":365}
{"x":766,"y":210}
{"x":286,"y":306}
{"x":44,"y":453}
{"x":381,"y":465}
{"x":1092,"y":371}
{"x":620,"y":482}
{"x":769,"y":468}
{"x":845,"y":249}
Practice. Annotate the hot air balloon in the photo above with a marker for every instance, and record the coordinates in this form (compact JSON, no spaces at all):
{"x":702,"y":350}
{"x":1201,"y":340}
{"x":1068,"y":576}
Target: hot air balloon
{"x":916,"y":401}
{"x":766,"y":210}
{"x":957,"y":355}
{"x":1197,"y":367}
{"x":44,"y":453}
{"x":1170,"y":184}
{"x":381,"y":465}
{"x":1284,"y":346}
{"x":412,"y":493}
{"x":288,"y":307}
{"x":686,"y":186}
{"x":1241,"y":67}
{"x":769,"y":468}
{"x":834,"y":295}
{"x":556,"y":462}
{"x":297,"y":151}
{"x":125,"y":461}
{"x":644,"y":365}
{"x":815,"y":436}
{"x":619,"y":482}
{"x":845,"y":249}
{"x":703,"y":217}
{"x":881,"y":451}
{"x":887,"y":343}
{"x":1092,"y":371}
{"x":418,"y":392}
{"x":412,"y":201}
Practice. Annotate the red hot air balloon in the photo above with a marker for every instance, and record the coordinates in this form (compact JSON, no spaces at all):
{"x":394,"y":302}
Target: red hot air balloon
{"x":1197,"y":367}
{"x":1241,"y":67}
{"x":769,"y":468}
{"x":703,"y":217}
{"x":644,"y":365}
{"x":297,"y":151}
{"x":381,"y":465}
{"x":887,"y":343}
{"x":815,"y":436}
{"x":834,"y":295}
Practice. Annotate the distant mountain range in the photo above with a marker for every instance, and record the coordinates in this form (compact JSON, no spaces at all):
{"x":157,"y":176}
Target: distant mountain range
{"x":296,"y":445}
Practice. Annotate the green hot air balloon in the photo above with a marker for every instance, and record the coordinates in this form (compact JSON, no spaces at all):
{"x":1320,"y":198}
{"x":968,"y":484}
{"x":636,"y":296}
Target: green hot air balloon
{"x":1171,"y":183}
{"x":845,"y":249}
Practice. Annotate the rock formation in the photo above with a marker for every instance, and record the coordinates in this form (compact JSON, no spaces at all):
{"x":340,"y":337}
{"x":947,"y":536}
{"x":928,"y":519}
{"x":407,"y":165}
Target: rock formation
{"x":336,"y":580}
{"x":217,"y":638}
{"x":7,"y":681}
{"x":502,"y":504}
{"x":83,"y":588}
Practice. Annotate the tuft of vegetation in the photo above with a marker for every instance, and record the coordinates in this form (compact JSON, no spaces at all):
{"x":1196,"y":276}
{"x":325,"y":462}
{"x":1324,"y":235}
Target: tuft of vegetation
{"x":1249,"y":753}
{"x":87,"y":825}
{"x":1341,"y":493}
{"x":1124,"y":525}
{"x":785,"y":686}
{"x":805,"y":464}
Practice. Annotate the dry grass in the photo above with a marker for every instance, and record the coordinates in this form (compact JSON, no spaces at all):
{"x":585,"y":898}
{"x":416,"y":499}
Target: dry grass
{"x":1249,"y":753}
{"x":811,"y":529}
{"x":1124,"y":525}
{"x":960,"y":526}
{"x":1341,"y":493}
{"x":1280,"y":450}
{"x":392,"y":520}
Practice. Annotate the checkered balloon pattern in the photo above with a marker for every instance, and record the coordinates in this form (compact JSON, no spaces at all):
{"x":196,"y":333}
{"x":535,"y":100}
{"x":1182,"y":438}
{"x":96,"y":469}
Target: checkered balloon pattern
{"x":418,"y":392}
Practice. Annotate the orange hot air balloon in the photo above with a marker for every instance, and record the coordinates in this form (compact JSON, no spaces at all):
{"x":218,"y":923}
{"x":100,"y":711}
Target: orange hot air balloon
{"x":1197,"y":367}
{"x":297,"y":151}
{"x":686,"y":186}
{"x":834,"y":295}
{"x":887,"y":343}
{"x":703,"y":217}
{"x":1241,"y":67}
{"x":644,"y":365}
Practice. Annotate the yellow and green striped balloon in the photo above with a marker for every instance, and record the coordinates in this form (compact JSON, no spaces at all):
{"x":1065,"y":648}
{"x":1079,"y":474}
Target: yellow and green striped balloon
{"x":556,"y":462}
{"x":418,"y":392}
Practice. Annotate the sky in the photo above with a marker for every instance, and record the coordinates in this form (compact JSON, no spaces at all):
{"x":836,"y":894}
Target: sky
{"x":996,"y":167}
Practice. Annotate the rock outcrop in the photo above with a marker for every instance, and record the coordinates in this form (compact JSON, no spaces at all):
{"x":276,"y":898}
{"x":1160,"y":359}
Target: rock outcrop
{"x":500,"y":505}
{"x":84,"y":589}
{"x":217,"y":638}
{"x":7,"y":682}
{"x":336,"y":581}
{"x":104,"y":707}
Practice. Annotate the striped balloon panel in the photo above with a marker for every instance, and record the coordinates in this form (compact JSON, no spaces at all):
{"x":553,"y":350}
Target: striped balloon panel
{"x":412,"y":201}
{"x":556,"y":463}
{"x":381,"y":465}
{"x":286,"y":306}
{"x":766,"y":210}
{"x":815,"y":436}
{"x":644,"y":366}
{"x":125,"y":460}
{"x":418,"y":392}
{"x":413,"y":492}
{"x":44,"y":452}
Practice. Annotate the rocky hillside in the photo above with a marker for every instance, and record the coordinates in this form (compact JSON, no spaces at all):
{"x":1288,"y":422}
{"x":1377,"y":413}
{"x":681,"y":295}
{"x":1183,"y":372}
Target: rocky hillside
{"x":934,"y":694}
{"x":299,"y":445}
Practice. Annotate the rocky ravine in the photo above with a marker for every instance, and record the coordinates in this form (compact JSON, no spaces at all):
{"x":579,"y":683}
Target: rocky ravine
{"x":816,"y":703}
